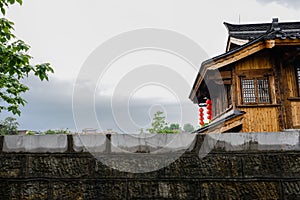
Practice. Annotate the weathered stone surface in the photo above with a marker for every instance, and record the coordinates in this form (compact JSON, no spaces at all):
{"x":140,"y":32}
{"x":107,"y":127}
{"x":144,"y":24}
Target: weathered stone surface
{"x":111,"y":189}
{"x":163,"y":190}
{"x":290,"y":165}
{"x":240,"y":190}
{"x":271,"y":165}
{"x":228,"y":171}
{"x":29,"y":190}
{"x":291,"y":190}
{"x":218,"y":166}
{"x":12,"y":166}
{"x":262,"y":165}
{"x":138,"y":162}
{"x":71,"y":190}
{"x":58,"y":166}
{"x":4,"y":190}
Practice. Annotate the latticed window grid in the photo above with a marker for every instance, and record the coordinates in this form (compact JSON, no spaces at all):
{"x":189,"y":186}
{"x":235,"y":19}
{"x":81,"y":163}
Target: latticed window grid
{"x":248,"y":88}
{"x":255,"y":90}
{"x":263,"y":91}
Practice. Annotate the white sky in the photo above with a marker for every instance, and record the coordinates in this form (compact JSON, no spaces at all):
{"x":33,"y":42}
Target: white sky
{"x":65,"y":32}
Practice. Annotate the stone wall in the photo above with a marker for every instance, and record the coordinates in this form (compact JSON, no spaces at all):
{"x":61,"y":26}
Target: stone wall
{"x":227,"y":166}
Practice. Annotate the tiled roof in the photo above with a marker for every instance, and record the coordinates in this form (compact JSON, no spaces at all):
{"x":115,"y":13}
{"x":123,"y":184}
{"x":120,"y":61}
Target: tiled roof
{"x":252,"y":31}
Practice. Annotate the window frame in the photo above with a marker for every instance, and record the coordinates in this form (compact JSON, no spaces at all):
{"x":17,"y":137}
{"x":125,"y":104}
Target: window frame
{"x":297,"y":78}
{"x":257,"y":94}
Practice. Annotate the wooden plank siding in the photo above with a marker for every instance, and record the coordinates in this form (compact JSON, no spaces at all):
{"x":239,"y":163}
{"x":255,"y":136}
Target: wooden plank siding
{"x":291,"y":80}
{"x":291,"y":100}
{"x":258,"y":118}
{"x":261,"y":119}
{"x":260,"y":60}
{"x":295,"y":108}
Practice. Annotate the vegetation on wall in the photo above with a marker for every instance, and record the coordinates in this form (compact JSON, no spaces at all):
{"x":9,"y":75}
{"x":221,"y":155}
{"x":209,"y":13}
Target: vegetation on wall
{"x":188,"y":128}
{"x":9,"y":126}
{"x":159,"y":125}
{"x":60,"y":131}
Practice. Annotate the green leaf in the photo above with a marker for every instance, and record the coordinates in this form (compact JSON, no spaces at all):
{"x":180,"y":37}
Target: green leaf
{"x":3,"y":10}
{"x":20,"y":2}
{"x":15,"y":65}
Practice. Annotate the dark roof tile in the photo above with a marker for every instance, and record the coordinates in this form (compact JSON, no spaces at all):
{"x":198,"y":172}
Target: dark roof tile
{"x":253,"y":31}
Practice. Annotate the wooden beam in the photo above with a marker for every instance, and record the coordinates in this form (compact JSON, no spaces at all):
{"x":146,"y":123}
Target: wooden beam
{"x":219,"y":75}
{"x":287,"y":42}
{"x":237,"y":56}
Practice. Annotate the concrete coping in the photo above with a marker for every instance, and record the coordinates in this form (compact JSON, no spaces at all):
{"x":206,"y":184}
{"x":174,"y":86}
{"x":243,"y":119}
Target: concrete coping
{"x":35,"y":143}
{"x":152,"y":143}
{"x":264,"y":141}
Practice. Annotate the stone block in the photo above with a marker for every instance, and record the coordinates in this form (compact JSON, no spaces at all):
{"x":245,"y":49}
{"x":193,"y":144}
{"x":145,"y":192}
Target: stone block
{"x":240,"y":190}
{"x":291,"y":190}
{"x":12,"y":166}
{"x":59,"y":166}
{"x":28,"y":190}
{"x":217,"y":166}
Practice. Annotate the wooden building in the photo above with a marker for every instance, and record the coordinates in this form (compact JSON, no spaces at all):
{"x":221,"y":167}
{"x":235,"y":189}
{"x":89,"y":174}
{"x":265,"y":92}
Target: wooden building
{"x":255,"y":85}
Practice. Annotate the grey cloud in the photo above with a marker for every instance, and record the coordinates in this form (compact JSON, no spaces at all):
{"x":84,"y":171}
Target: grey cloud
{"x":50,"y":107}
{"x":288,"y":3}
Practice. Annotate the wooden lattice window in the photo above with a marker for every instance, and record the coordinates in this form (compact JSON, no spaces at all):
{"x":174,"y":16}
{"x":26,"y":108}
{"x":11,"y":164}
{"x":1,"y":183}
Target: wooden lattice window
{"x":255,"y":90}
{"x":298,"y":78}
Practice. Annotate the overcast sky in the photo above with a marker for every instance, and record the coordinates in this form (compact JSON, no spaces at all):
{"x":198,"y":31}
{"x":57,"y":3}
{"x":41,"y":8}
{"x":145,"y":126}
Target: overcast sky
{"x":65,"y":33}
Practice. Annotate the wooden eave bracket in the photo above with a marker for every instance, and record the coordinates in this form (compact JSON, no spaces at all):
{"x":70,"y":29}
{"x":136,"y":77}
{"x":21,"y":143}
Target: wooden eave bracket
{"x":270,"y":44}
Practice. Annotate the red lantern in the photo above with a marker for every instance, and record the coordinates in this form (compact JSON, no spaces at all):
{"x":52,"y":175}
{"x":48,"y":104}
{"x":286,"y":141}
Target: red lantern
{"x":201,"y":116}
{"x":208,"y":102}
{"x":209,"y":109}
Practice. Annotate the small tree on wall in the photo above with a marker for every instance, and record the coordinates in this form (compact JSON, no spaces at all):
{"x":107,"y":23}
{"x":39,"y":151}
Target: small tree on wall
{"x":188,"y":128}
{"x":158,"y":122}
{"x":159,"y":125}
{"x":9,"y":126}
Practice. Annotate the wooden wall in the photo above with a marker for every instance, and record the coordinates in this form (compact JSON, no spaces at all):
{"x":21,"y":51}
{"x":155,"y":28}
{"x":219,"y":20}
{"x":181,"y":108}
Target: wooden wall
{"x":261,"y":119}
{"x":295,"y":107}
{"x":291,"y":100}
{"x":290,"y":79}
{"x":260,"y":60}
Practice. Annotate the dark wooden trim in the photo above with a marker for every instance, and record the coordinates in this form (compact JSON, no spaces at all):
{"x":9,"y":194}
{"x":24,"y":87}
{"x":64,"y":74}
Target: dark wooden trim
{"x":70,"y":143}
{"x":294,"y":98}
{"x":1,"y":142}
{"x":254,"y":73}
{"x":258,"y":105}
{"x":108,"y":143}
